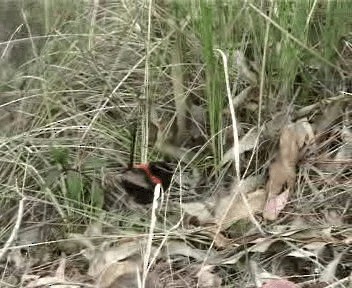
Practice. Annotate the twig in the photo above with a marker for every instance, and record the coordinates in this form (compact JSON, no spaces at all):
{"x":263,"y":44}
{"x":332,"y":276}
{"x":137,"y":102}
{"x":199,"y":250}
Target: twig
{"x":147,"y":263}
{"x":15,"y":228}
{"x":233,"y":116}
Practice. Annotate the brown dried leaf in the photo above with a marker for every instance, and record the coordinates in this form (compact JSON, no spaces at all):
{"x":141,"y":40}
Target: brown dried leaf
{"x":181,"y":248}
{"x":279,"y":284}
{"x":126,"y":274}
{"x":246,"y":185}
{"x":274,"y":206}
{"x":103,"y":257}
{"x":233,"y":207}
{"x":293,"y":137}
{"x":238,"y":209}
{"x":282,"y":172}
{"x":57,"y":281}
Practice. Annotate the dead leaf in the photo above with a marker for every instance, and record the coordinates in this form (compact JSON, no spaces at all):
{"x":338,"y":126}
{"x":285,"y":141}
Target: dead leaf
{"x":238,"y":209}
{"x":181,"y":248}
{"x":279,"y":176}
{"x":207,"y":278}
{"x":274,"y":206}
{"x":116,"y":266}
{"x":282,"y":172}
{"x":233,"y":207}
{"x":126,"y":274}
{"x":304,"y":133}
{"x":103,"y":257}
{"x":288,"y":144}
{"x":58,"y":281}
{"x":312,"y":109}
{"x":279,"y":284}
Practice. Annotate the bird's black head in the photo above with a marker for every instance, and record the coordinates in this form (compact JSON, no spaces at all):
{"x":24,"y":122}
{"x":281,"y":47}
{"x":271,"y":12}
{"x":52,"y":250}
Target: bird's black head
{"x":163,"y":171}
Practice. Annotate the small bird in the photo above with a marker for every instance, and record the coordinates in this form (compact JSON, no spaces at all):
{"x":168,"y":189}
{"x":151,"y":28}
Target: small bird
{"x":140,"y":180}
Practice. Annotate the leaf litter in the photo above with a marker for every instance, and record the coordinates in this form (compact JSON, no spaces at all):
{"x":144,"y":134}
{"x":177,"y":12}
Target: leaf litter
{"x":121,"y":264}
{"x":260,"y":218}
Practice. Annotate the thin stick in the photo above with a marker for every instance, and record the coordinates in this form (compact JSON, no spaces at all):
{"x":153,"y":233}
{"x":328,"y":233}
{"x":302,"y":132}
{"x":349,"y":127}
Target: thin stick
{"x":233,"y":116}
{"x":147,"y":263}
{"x":262,"y":79}
{"x":133,"y":146}
{"x":145,"y":128}
{"x":15,"y":228}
